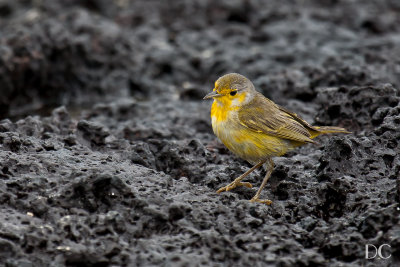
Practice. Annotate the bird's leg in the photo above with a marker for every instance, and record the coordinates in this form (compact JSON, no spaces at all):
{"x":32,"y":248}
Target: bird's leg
{"x":237,"y":182}
{"x":257,"y":195}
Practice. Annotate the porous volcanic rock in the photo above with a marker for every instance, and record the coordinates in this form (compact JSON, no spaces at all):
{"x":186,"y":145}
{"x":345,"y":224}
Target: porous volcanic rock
{"x":107,"y":156}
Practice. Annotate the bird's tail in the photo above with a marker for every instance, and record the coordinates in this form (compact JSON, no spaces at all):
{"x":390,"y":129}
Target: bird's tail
{"x":318,"y":130}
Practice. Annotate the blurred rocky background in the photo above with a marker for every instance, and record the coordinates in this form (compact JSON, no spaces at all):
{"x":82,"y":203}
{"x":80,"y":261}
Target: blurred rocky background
{"x":107,"y":156}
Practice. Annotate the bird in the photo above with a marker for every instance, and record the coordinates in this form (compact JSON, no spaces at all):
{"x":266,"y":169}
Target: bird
{"x":255,"y":128}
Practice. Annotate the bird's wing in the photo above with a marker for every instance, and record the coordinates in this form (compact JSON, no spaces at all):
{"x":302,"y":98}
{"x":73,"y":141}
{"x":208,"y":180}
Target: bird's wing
{"x":264,"y":116}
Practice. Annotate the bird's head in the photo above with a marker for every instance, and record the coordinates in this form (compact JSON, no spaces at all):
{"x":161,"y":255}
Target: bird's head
{"x":232,"y":90}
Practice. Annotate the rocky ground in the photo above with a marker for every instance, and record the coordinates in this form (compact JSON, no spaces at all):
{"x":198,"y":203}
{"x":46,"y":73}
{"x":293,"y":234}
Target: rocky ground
{"x":107,"y":156}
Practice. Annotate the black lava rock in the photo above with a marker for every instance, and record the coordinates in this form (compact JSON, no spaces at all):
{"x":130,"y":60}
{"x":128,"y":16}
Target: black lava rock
{"x":107,"y":155}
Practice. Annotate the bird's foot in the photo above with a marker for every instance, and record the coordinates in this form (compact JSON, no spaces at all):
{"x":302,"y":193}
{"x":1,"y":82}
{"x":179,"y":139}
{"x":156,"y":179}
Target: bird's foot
{"x":263,"y":201}
{"x":233,"y":185}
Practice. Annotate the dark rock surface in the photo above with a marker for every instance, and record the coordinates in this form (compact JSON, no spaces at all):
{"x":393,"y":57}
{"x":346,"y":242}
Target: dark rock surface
{"x":107,"y":157}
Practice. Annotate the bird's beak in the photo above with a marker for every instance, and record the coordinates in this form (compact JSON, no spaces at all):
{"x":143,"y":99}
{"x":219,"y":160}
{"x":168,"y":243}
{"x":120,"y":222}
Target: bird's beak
{"x":211,"y":95}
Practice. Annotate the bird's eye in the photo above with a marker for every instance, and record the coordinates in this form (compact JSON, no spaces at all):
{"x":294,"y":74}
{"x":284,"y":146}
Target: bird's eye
{"x":233,"y":93}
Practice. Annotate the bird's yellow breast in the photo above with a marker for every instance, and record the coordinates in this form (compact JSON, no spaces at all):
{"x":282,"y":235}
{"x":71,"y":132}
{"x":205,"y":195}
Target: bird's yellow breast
{"x":250,"y":145}
{"x":221,"y":111}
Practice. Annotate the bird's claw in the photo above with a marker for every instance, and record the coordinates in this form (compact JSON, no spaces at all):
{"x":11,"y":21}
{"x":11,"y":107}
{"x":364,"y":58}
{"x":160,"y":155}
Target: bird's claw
{"x":263,"y":201}
{"x":234,"y":185}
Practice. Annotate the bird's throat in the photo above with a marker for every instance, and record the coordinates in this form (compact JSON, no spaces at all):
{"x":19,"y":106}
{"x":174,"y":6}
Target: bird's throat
{"x":220,"y":111}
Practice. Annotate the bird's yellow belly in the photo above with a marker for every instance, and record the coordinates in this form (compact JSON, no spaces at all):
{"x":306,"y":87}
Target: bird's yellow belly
{"x":248,"y":144}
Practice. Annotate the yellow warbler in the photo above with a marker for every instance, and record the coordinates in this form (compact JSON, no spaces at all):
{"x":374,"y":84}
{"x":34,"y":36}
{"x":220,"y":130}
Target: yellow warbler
{"x":255,"y":128}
